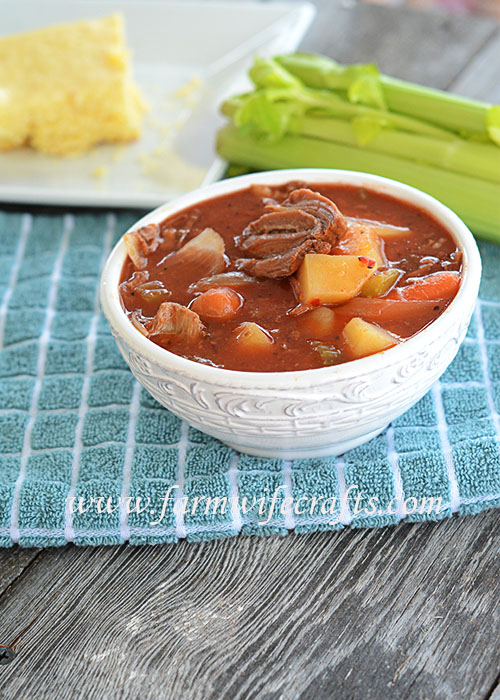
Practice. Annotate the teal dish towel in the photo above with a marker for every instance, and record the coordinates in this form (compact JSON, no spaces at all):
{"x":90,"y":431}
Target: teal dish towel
{"x":88,"y":456}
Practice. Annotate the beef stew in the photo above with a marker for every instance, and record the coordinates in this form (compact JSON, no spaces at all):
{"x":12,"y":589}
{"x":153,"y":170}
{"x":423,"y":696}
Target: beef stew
{"x":289,"y":277}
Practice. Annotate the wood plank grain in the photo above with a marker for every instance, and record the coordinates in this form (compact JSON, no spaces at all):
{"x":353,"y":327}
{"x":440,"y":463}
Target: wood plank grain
{"x":394,"y":613}
{"x":427,"y":48}
{"x":495,"y":695}
{"x":481,"y":78}
{"x":12,"y":563}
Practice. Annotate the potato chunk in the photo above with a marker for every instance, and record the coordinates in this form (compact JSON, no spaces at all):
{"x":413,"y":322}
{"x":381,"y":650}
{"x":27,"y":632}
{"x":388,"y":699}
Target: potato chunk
{"x":363,"y":338}
{"x":332,"y":279}
{"x":251,"y":336}
{"x":319,"y":322}
{"x":362,"y":240}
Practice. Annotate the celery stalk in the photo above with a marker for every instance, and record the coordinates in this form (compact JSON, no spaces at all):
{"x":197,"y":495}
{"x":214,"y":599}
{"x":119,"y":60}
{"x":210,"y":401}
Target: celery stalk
{"x":358,"y":79}
{"x":459,"y":114}
{"x":468,"y":157}
{"x":254,"y":109}
{"x":476,"y":201}
{"x":459,"y":155}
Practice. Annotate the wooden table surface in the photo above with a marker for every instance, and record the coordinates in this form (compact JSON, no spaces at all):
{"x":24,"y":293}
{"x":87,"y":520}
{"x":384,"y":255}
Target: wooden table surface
{"x":401,"y":612}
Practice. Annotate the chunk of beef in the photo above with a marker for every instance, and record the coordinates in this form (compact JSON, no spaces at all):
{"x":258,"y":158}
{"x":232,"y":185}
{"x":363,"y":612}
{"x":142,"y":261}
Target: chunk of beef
{"x":142,"y":242}
{"x":282,"y":264}
{"x":277,"y":232}
{"x":306,"y":222}
{"x":176,"y":321}
{"x":171,"y":239}
{"x":333,"y":223}
{"x":271,"y":194}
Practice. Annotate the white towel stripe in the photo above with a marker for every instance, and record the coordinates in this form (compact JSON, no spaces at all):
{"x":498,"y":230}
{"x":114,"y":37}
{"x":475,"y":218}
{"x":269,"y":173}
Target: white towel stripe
{"x":180,"y":527}
{"x":287,"y":481}
{"x":487,"y":341}
{"x":21,"y":247}
{"x":392,"y":456}
{"x":135,"y":406}
{"x":484,"y":361}
{"x":234,"y":491}
{"x":42,"y":357}
{"x":489,"y":302}
{"x":345,"y":516}
{"x":442,"y":427}
{"x":89,"y":367}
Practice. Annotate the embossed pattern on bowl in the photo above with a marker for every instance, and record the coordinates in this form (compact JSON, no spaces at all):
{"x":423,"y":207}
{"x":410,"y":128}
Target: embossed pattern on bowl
{"x":306,"y":413}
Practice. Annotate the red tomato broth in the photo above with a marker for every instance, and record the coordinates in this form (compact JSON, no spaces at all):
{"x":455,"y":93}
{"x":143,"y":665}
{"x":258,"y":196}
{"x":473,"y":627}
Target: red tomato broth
{"x":268,"y":301}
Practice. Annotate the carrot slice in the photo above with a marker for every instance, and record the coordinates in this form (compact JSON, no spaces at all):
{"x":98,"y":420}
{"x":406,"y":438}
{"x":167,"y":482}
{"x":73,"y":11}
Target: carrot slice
{"x":384,"y":310}
{"x":438,"y":285}
{"x":217,"y":304}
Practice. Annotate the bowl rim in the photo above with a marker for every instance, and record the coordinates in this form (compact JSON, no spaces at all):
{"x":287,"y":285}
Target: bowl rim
{"x":469,"y":287}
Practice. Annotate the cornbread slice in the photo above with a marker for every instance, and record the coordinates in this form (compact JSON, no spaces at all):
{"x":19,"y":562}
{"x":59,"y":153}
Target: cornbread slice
{"x":65,"y":88}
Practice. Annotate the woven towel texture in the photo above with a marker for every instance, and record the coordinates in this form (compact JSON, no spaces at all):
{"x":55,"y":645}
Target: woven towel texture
{"x":74,"y":423}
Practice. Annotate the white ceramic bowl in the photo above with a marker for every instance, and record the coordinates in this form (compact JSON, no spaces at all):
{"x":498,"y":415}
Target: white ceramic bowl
{"x":307,"y":413}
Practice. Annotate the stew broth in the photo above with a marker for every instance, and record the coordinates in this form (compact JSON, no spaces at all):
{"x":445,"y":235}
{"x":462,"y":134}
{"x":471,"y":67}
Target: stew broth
{"x":418,"y":248}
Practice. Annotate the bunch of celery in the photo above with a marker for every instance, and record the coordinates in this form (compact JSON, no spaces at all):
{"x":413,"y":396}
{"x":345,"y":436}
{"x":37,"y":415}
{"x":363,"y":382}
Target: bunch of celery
{"x":308,"y":111}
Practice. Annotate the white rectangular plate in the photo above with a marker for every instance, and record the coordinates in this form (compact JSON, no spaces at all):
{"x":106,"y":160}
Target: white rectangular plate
{"x":187,"y":56}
